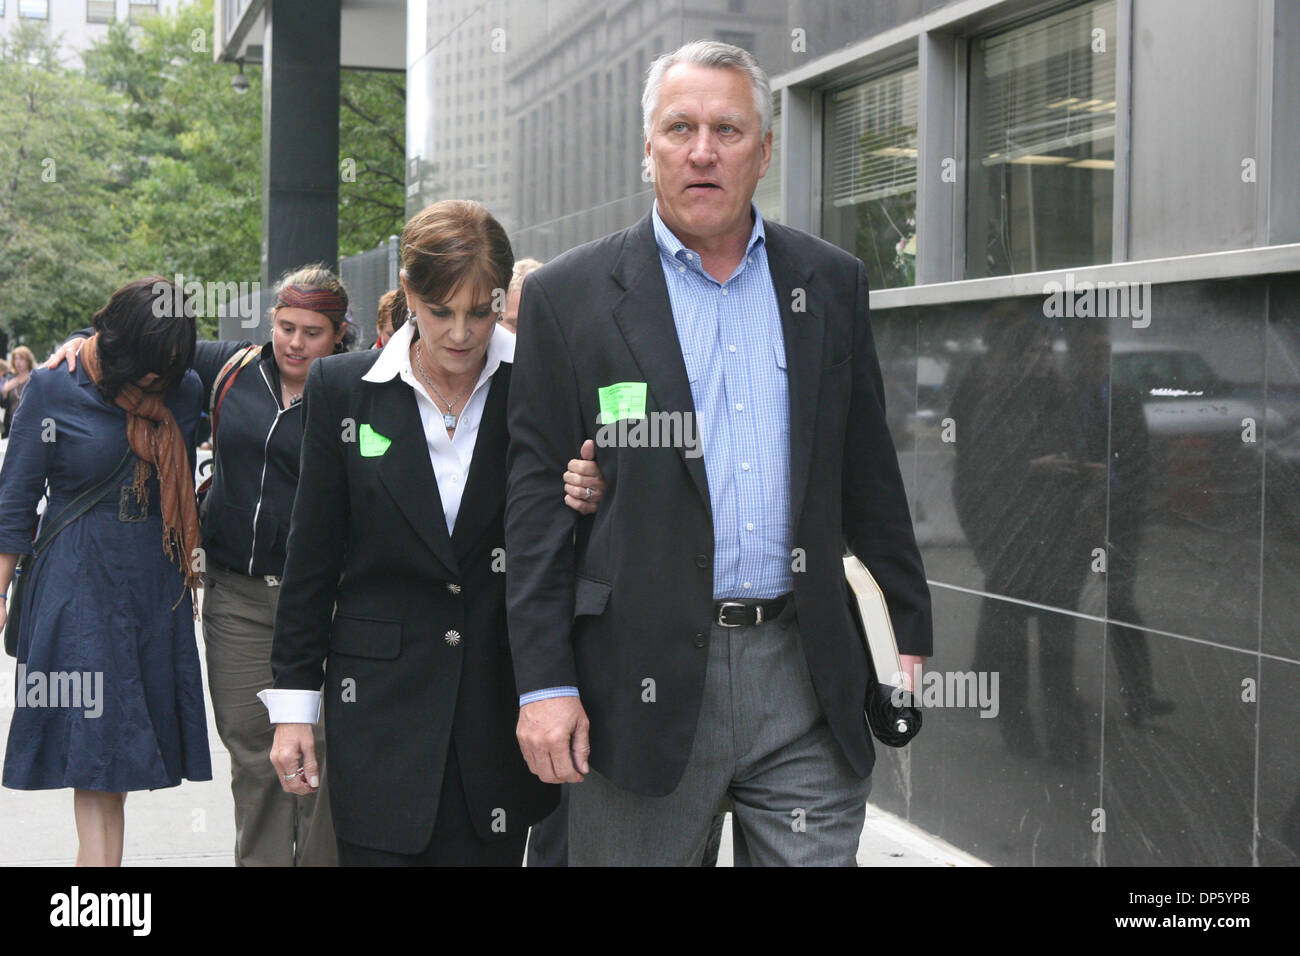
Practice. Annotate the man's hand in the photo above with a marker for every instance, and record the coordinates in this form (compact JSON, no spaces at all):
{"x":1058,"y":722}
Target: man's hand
{"x":67,"y":352}
{"x":293,"y":754}
{"x":554,"y":738}
{"x":584,"y":473}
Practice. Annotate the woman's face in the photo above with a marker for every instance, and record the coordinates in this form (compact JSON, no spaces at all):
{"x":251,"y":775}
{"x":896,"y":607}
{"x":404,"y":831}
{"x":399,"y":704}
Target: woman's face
{"x":20,"y":364}
{"x":455,"y":333}
{"x":299,"y":337}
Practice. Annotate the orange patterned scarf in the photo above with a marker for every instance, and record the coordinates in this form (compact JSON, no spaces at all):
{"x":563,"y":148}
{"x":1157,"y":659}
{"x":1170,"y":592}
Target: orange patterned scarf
{"x":156,"y":439}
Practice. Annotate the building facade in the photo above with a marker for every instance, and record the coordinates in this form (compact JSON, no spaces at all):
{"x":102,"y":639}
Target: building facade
{"x":78,"y":23}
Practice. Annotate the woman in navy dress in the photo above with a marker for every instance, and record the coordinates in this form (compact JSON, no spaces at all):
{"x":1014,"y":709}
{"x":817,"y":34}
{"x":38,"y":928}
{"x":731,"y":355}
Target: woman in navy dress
{"x":110,"y":696}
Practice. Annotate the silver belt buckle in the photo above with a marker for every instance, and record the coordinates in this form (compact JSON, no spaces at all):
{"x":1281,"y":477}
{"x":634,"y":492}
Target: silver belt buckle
{"x":722,"y":607}
{"x":271,"y":580}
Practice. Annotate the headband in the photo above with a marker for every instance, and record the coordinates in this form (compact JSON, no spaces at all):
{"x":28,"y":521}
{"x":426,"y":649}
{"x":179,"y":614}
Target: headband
{"x":329,"y":304}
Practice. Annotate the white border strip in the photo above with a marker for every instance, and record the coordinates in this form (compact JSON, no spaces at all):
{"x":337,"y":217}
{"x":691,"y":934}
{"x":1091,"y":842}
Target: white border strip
{"x":1264,"y":260}
{"x":911,"y":837}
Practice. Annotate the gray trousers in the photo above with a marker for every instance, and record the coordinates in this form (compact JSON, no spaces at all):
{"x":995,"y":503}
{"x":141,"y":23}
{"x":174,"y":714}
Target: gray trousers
{"x":272,"y":827}
{"x":761,"y":740}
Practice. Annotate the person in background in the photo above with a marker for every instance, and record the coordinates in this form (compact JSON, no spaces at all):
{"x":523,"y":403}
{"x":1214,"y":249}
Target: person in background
{"x":391,"y":315}
{"x":21,"y":363}
{"x":523,"y":268}
{"x":108,"y":615}
{"x":254,"y":394}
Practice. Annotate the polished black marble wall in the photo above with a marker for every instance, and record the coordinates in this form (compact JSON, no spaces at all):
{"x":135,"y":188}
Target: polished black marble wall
{"x":1109,"y":512}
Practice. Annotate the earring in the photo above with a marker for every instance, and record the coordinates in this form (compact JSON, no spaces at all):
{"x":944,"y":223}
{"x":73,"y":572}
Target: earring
{"x":409,"y":314}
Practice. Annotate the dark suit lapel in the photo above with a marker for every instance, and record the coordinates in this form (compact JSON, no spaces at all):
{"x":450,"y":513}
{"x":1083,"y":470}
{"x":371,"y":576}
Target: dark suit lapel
{"x":803,"y":352}
{"x":405,"y":470}
{"x":485,"y":488}
{"x":645,"y":317}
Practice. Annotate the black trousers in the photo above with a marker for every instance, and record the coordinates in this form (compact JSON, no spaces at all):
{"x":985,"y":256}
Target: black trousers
{"x":454,"y":841}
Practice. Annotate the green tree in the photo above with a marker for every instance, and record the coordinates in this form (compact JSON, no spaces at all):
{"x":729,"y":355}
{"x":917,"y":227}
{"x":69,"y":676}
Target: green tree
{"x":149,"y":162}
{"x":372,"y":148}
{"x":195,"y":173}
{"x":63,"y":156}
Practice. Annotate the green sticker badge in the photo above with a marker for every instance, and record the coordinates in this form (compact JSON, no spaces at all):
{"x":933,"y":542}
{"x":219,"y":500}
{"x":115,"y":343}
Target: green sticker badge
{"x":373,"y":444}
{"x":621,"y":400}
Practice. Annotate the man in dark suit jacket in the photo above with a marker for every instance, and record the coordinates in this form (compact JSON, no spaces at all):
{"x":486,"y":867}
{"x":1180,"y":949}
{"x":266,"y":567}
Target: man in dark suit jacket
{"x":692,"y":641}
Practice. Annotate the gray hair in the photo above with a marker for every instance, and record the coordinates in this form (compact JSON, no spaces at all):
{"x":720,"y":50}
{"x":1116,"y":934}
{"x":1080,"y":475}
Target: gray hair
{"x":522,"y":268}
{"x":712,"y":53}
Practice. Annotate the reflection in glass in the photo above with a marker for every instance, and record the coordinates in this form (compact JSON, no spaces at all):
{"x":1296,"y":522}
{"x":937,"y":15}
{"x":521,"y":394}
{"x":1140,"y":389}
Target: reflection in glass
{"x":870,"y":177}
{"x":767,"y":197}
{"x":1042,"y":144}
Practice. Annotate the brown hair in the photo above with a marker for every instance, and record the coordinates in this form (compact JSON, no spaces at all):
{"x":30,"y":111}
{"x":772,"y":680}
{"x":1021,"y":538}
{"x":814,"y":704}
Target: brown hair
{"x":23,"y":352}
{"x":392,"y":309}
{"x":455,"y":241}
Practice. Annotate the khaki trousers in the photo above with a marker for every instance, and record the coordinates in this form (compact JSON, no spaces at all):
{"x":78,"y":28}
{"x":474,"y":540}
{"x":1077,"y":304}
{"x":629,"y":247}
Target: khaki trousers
{"x":272,"y":827}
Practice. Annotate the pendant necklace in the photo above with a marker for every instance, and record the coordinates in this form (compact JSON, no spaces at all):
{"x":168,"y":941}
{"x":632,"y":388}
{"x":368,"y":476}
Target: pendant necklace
{"x":448,"y":419}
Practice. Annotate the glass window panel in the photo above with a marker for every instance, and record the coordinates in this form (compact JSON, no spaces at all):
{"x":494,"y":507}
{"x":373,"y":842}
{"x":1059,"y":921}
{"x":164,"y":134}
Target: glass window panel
{"x":34,"y":9}
{"x":767,"y":197}
{"x":100,"y":11}
{"x":1042,"y":144}
{"x":143,"y":8}
{"x":869,"y":180}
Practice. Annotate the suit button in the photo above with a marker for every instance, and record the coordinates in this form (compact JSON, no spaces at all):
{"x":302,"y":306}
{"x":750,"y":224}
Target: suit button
{"x":701,"y":560}
{"x":452,"y":638}
{"x":699,"y":640}
{"x":453,"y":588}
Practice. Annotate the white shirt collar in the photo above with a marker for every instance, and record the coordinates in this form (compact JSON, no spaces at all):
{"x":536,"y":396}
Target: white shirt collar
{"x":395,"y":357}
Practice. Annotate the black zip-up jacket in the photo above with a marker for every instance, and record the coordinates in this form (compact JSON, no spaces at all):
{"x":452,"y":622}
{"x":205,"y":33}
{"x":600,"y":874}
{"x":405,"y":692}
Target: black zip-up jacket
{"x":255,"y":472}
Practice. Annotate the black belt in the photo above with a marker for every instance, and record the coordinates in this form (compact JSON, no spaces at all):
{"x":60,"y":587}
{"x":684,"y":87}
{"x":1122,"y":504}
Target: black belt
{"x":748,"y":613}
{"x":270,"y":580}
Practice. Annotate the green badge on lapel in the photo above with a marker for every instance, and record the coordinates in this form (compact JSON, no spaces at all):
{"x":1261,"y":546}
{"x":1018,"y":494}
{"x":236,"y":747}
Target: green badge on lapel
{"x":373,"y":444}
{"x":621,"y":400}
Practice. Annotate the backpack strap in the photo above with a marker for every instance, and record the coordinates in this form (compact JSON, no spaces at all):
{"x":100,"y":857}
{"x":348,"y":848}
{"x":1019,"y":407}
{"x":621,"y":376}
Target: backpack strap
{"x":225,"y":379}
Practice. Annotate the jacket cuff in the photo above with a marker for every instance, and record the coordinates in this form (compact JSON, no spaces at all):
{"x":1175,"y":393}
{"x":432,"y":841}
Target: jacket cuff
{"x":291,"y":706}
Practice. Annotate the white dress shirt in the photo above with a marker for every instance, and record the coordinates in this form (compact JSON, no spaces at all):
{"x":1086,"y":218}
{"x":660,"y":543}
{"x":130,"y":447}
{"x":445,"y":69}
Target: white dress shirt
{"x":449,"y":455}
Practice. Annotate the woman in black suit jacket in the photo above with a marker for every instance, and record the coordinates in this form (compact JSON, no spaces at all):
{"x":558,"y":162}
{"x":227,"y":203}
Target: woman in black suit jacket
{"x":393,"y":593}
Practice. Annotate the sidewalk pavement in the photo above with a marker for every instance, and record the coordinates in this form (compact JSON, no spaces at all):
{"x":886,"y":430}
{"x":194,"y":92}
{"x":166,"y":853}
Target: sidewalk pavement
{"x":193,"y":824}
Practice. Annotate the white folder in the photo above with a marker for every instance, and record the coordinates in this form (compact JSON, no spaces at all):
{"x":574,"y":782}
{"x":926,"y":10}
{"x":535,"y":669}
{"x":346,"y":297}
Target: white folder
{"x":881,"y":643}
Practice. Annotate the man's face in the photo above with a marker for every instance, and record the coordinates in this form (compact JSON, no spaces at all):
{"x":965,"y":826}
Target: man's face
{"x":705,"y":151}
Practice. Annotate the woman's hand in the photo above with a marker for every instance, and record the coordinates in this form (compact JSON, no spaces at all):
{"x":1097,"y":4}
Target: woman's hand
{"x":584,"y":474}
{"x":67,"y":352}
{"x":293,"y":754}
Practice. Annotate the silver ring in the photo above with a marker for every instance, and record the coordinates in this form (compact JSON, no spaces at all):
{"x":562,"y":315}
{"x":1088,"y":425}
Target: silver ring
{"x":587,"y":496}
{"x":290,"y":776}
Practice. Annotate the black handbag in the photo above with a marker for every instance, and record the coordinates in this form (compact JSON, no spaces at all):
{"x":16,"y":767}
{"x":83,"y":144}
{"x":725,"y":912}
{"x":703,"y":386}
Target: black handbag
{"x":49,"y":530}
{"x":891,"y":712}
